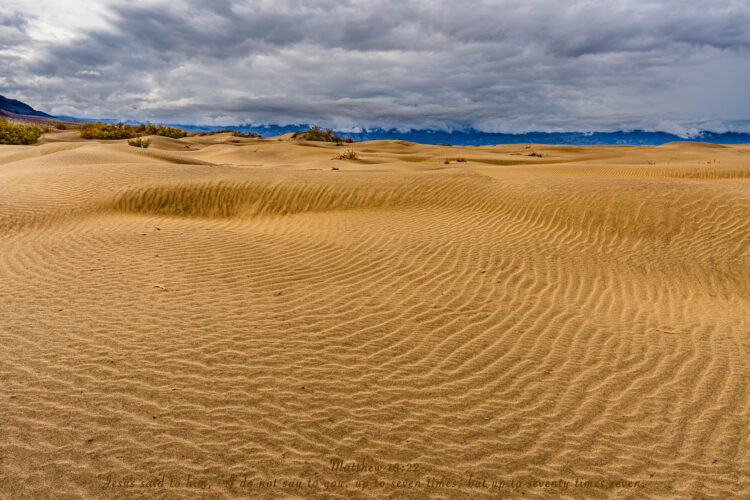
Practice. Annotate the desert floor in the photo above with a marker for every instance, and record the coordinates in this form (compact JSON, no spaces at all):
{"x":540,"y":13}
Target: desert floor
{"x":216,"y":317}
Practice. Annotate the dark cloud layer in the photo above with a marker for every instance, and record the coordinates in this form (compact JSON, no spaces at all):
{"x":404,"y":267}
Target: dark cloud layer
{"x":497,"y":65}
{"x":12,"y":31}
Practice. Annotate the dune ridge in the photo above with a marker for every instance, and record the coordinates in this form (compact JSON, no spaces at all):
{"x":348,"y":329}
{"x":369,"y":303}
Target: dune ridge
{"x":215,"y":308}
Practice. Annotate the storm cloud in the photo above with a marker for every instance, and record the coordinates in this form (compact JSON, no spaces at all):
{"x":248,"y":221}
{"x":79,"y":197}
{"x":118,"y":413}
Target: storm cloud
{"x":505,"y":66}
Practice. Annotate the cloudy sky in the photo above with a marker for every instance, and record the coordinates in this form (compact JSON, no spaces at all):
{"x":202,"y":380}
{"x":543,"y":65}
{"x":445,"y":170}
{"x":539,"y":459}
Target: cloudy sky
{"x":505,"y":65}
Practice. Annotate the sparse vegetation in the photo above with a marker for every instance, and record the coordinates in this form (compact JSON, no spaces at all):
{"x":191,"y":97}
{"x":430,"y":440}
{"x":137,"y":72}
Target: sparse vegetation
{"x":318,"y":134}
{"x":151,"y":129}
{"x":534,"y":153}
{"x":16,"y":133}
{"x":347,"y":154}
{"x":235,"y":133}
{"x":109,"y":131}
{"x":61,"y":126}
{"x":113,"y":131}
{"x":139,"y":143}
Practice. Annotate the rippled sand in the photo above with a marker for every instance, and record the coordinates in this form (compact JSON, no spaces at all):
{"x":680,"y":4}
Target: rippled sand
{"x":235,"y":315}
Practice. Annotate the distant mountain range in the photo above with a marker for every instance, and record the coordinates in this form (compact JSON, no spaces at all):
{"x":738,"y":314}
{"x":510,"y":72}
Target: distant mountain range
{"x":18,"y":109}
{"x":478,"y":137}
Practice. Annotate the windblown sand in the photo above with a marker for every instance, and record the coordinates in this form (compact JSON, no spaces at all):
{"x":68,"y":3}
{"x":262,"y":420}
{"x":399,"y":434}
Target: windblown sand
{"x":233,"y":316}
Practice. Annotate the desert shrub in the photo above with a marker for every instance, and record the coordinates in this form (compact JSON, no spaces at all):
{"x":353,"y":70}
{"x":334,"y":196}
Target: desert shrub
{"x":112,"y":131}
{"x":348,"y":154}
{"x":109,"y":131}
{"x":235,"y":133}
{"x":162,"y":130}
{"x":534,"y":153}
{"x":139,"y":143}
{"x":61,"y":126}
{"x":16,"y":133}
{"x":317,"y":134}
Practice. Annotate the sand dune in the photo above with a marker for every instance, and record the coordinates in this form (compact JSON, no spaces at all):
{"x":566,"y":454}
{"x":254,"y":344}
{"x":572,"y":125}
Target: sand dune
{"x":217,"y":307}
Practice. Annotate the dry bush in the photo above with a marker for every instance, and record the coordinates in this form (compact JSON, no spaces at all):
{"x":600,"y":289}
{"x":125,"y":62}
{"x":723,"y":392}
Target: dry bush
{"x":347,"y":154}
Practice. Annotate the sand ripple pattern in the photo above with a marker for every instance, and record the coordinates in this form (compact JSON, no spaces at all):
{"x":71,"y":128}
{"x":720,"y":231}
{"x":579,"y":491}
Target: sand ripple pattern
{"x":166,"y":312}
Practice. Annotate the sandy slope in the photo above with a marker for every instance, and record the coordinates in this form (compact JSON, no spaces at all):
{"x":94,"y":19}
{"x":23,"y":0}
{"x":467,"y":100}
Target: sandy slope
{"x":206,"y":309}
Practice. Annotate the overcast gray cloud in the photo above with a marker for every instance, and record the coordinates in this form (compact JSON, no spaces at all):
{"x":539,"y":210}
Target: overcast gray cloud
{"x":501,"y":65}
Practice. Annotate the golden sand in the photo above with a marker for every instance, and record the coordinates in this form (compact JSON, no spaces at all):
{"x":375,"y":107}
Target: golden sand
{"x":217,"y":317}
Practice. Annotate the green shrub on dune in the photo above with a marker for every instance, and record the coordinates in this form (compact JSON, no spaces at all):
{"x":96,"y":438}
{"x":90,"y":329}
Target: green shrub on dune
{"x":318,"y":134}
{"x":248,"y":135}
{"x":113,"y":131}
{"x":139,"y":143}
{"x":109,"y":131}
{"x":151,"y":129}
{"x":235,"y":133}
{"x":17,"y":133}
